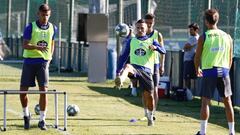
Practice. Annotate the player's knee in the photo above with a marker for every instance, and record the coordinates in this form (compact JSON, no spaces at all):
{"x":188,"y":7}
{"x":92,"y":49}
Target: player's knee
{"x":205,"y":101}
{"x":227,"y":101}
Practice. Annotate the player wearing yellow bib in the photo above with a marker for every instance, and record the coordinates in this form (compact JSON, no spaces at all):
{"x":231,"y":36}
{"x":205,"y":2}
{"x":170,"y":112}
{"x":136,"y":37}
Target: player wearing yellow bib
{"x":214,"y":52}
{"x":38,"y":49}
{"x":140,"y":49}
{"x":159,"y":59}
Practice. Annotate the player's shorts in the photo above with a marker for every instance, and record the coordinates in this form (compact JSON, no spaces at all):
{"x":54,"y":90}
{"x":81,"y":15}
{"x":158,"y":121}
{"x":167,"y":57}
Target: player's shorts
{"x":189,"y":70}
{"x":145,"y":79}
{"x":209,"y":84}
{"x":40,"y":71}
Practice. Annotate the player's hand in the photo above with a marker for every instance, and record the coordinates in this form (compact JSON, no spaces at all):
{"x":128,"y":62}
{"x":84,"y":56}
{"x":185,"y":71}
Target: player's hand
{"x":199,"y":72}
{"x":42,"y":48}
{"x":152,"y":47}
{"x":161,"y":70}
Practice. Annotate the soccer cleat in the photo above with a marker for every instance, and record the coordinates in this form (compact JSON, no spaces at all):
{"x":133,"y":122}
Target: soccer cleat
{"x":42,"y":125}
{"x":27,"y":121}
{"x":198,"y":133}
{"x":118,"y":82}
{"x":150,"y":122}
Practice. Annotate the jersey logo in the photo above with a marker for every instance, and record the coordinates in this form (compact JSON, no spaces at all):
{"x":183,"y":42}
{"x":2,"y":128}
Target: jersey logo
{"x":42,"y":43}
{"x":140,"y":52}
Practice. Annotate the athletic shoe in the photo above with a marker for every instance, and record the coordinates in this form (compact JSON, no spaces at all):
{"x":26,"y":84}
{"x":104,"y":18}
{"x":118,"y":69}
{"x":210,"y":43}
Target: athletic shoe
{"x":198,"y":133}
{"x":150,"y":122}
{"x":118,"y":82}
{"x":27,"y":121}
{"x":143,"y":118}
{"x":42,"y":125}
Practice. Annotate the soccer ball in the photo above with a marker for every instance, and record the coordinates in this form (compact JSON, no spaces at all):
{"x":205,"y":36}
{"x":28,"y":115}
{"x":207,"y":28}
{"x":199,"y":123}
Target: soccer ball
{"x":37,"y":109}
{"x":72,"y":110}
{"x":122,"y":30}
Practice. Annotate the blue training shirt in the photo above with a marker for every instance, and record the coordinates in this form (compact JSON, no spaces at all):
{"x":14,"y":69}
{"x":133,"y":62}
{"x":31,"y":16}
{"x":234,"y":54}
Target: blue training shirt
{"x":27,"y":35}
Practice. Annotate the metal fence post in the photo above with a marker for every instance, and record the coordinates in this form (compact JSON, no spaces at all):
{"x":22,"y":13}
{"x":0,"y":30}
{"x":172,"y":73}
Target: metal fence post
{"x":4,"y":111}
{"x":56,"y":109}
{"x":65,"y":111}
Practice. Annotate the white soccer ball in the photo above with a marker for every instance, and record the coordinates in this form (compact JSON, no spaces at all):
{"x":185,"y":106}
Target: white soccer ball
{"x":122,"y":30}
{"x":37,"y":109}
{"x":72,"y":110}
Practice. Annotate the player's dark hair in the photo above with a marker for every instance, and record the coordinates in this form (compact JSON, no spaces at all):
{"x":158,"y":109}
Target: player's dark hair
{"x":149,"y":16}
{"x":211,"y":16}
{"x":44,"y":8}
{"x":140,"y":21}
{"x":195,"y":26}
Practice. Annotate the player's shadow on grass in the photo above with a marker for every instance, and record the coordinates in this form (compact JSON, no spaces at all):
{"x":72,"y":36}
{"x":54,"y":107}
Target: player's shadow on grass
{"x":183,"y":108}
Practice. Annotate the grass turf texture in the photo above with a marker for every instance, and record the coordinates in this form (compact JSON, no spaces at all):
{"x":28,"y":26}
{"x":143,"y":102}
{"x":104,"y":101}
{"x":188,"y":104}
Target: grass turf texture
{"x":105,"y":110}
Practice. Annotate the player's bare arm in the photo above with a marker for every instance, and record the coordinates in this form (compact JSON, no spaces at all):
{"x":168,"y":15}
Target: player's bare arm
{"x":162,"y":58}
{"x":198,"y":55}
{"x":28,"y":46}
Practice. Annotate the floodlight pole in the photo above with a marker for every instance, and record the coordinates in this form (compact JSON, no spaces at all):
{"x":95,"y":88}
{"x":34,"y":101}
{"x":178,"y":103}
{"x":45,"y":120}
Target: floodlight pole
{"x":139,"y":10}
{"x":27,"y":12}
{"x":208,"y":5}
{"x":69,"y":66}
{"x":120,"y":20}
{"x":9,"y":20}
{"x":149,"y":6}
{"x":106,"y":6}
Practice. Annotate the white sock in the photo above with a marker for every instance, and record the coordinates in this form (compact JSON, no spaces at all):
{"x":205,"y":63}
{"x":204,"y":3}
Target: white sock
{"x":150,"y":115}
{"x":146,"y":112}
{"x":231,"y":128}
{"x":42,"y":115}
{"x":134,"y":91}
{"x":203,"y":128}
{"x":123,"y":78}
{"x":25,"y":111}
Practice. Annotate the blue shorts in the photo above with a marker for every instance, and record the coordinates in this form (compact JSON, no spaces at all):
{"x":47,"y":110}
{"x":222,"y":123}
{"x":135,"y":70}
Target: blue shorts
{"x":209,"y":84}
{"x":189,"y":70}
{"x":30,"y":72}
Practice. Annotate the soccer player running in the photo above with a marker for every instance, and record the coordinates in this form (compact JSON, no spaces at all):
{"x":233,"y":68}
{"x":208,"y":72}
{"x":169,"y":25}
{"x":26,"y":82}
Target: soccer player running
{"x":38,"y":47}
{"x":214,"y":52}
{"x":157,"y":36}
{"x":189,"y":53}
{"x":140,"y":49}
